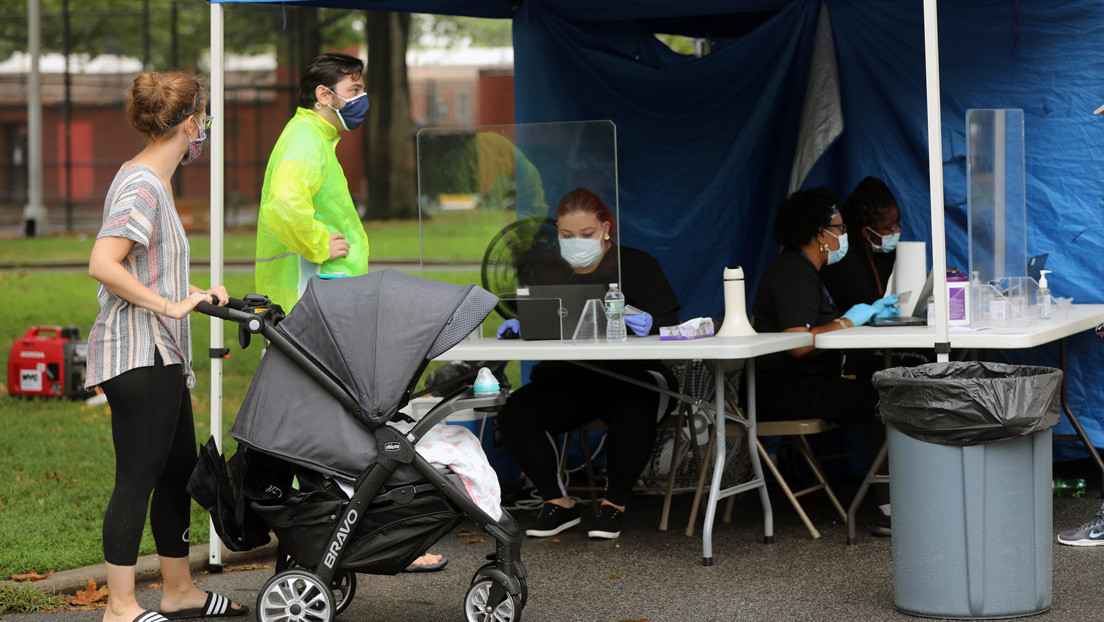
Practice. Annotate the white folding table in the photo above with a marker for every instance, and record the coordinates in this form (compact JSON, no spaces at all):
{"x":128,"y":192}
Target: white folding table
{"x":715,"y":350}
{"x":1080,"y":318}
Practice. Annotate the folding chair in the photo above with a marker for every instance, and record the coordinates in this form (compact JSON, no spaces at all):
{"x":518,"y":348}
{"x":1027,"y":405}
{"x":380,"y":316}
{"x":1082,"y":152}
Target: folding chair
{"x":795,"y":432}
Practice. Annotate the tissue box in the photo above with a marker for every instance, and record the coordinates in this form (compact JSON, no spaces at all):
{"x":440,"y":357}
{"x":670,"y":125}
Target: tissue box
{"x":691,"y":329}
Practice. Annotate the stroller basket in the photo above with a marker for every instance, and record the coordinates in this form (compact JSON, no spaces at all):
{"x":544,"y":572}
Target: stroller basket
{"x":386,"y":540}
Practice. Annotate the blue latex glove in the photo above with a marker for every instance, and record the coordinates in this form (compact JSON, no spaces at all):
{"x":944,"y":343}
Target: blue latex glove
{"x":639,"y":323}
{"x":513,"y":325}
{"x":887,"y":307}
{"x":888,"y":313}
{"x":860,"y":314}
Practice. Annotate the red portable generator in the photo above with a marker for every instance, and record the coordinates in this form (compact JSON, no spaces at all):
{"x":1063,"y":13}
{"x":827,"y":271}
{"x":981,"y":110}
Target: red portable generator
{"x":49,"y":361}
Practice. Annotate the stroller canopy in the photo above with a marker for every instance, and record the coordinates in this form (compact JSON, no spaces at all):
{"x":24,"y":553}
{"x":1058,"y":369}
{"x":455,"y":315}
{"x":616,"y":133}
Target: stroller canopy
{"x":371,"y":334}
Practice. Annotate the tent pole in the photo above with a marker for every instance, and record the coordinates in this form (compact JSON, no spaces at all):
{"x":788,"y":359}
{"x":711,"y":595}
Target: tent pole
{"x":935,"y":177}
{"x":218,"y":111}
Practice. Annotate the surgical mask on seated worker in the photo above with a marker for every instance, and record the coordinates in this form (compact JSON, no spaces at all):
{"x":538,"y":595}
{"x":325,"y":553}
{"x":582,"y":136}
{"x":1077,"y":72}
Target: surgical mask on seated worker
{"x":353,"y":112}
{"x":836,"y":255}
{"x":889,"y":242}
{"x":580,"y":252}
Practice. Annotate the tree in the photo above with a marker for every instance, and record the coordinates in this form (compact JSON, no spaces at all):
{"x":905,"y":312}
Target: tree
{"x":390,"y":144}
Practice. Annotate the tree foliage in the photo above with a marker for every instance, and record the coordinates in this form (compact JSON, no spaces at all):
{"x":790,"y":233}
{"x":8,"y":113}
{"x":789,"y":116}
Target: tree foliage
{"x":172,"y":33}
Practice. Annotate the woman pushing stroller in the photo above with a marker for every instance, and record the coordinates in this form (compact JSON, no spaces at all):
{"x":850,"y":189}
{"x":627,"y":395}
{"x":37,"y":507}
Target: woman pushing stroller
{"x":139,"y":351}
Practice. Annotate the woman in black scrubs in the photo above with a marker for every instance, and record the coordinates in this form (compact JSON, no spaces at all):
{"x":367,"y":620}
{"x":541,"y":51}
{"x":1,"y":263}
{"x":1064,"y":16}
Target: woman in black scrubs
{"x":872,"y":215}
{"x":807,"y":382}
{"x":561,"y":396}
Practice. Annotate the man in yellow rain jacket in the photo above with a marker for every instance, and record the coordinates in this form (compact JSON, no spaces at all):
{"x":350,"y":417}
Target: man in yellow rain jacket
{"x":308,"y":224}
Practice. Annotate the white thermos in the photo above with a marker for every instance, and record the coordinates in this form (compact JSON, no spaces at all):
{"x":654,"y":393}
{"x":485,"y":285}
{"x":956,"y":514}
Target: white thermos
{"x":736,"y":322}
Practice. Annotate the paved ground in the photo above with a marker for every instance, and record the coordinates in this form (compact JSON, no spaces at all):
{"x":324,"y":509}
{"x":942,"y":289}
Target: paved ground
{"x":653,"y":575}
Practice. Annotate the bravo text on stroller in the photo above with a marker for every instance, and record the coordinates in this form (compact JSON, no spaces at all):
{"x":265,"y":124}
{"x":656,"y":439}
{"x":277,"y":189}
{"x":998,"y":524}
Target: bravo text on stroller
{"x":342,"y":532}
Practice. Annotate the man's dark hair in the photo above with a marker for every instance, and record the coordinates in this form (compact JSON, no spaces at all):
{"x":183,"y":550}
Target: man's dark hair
{"x":802,"y":215}
{"x":327,"y":70}
{"x":869,"y":198}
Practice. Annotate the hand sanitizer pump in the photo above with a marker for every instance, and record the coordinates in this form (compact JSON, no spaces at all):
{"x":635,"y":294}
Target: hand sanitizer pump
{"x":736,"y":322}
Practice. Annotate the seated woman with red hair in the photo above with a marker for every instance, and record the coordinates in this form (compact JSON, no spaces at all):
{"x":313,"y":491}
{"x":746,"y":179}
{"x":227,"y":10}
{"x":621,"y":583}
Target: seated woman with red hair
{"x":562,"y":396}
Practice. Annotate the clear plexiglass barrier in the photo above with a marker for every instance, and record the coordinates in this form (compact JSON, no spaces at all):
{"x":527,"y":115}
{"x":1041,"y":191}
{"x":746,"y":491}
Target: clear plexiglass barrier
{"x":1001,"y":292}
{"x":488,"y":209}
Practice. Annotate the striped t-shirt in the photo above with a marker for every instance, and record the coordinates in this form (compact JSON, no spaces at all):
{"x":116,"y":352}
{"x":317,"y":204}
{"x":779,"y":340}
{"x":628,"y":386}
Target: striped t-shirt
{"x":125,"y":336}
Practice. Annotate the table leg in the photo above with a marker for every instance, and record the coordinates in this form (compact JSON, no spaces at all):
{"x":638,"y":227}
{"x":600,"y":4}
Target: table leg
{"x":1073,"y":418}
{"x":753,"y":453}
{"x":715,"y":492}
{"x":718,"y":464}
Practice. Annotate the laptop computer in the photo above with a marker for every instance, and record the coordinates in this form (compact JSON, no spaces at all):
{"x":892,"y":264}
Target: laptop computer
{"x":919,"y":315}
{"x":552,"y":311}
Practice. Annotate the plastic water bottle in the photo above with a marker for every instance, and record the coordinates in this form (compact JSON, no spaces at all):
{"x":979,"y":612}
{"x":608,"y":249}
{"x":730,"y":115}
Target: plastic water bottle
{"x":1069,"y":487}
{"x":615,"y":314}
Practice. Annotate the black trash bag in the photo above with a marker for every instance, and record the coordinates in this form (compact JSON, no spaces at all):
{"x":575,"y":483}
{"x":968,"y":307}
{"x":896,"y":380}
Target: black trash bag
{"x":969,"y":403}
{"x":217,"y":486}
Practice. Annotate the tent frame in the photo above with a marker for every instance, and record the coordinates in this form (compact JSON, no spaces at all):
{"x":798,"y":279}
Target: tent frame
{"x":935,"y":176}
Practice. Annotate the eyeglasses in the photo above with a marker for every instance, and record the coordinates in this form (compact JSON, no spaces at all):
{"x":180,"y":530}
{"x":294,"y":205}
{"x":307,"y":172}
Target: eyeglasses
{"x":894,"y":228}
{"x":842,"y":227}
{"x":206,"y":122}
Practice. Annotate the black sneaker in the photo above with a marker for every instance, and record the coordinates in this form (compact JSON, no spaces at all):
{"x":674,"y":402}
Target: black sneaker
{"x":883,"y":525}
{"x":553,"y":519}
{"x":607,"y":523}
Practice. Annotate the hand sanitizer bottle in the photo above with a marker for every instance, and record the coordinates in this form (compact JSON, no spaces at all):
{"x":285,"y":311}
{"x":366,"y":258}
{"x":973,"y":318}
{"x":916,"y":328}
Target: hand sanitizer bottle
{"x":1042,"y":296}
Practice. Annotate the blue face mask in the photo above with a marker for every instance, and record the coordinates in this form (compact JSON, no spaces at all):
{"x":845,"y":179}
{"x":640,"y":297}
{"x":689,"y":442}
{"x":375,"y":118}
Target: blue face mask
{"x":353,"y":112}
{"x":581,"y":252}
{"x":889,"y":242}
{"x":836,"y":255}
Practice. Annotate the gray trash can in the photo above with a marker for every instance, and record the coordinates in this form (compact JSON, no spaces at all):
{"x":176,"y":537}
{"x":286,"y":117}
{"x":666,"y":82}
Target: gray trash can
{"x":970,"y":483}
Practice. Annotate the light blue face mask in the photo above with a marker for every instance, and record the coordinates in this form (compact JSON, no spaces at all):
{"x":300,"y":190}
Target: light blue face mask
{"x":889,"y":242}
{"x":581,"y":252}
{"x":836,"y":255}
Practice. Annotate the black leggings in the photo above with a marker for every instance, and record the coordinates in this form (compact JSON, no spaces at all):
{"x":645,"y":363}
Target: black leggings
{"x":155,"y":451}
{"x":548,"y":406}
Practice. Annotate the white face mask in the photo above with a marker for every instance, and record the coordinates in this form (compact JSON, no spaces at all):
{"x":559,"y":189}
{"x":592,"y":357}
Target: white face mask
{"x":889,"y":242}
{"x":836,"y":255}
{"x":581,"y":252}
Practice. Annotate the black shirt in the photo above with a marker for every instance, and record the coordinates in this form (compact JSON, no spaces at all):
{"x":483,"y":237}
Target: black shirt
{"x":853,"y":280}
{"x":791,"y":294}
{"x":645,"y":287}
{"x":641,"y":280}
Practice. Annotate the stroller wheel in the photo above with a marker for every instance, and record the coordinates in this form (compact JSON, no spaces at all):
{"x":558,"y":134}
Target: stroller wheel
{"x":344,"y":587}
{"x":295,"y":596}
{"x":479,"y":605}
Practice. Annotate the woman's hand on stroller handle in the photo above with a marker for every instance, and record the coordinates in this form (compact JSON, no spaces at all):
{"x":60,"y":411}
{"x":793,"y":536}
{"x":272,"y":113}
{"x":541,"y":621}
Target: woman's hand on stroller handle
{"x":232,"y":312}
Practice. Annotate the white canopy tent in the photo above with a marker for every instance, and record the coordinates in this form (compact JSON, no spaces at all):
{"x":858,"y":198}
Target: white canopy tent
{"x":935,"y":173}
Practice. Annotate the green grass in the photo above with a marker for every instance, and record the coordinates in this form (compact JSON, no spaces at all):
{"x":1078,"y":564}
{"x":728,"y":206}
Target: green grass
{"x":448,"y":236}
{"x":56,"y":456}
{"x":27,"y":598}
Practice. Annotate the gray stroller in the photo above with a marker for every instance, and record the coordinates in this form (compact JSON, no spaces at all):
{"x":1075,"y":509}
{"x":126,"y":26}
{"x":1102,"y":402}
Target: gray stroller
{"x":336,"y":372}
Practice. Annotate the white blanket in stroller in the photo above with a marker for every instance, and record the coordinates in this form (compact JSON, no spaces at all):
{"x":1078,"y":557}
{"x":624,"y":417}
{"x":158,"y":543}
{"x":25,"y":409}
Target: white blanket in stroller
{"x":457,"y":447}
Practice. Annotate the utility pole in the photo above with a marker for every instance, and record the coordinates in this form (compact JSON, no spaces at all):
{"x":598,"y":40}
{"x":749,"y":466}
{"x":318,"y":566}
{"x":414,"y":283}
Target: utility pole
{"x":34,"y":214}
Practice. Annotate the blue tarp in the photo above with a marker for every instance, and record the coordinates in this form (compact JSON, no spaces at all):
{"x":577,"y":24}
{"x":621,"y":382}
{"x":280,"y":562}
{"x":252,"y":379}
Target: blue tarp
{"x":705,"y":145}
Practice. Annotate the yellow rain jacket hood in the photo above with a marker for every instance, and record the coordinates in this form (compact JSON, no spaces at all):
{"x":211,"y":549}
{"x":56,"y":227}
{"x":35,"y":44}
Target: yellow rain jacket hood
{"x":304,"y":199}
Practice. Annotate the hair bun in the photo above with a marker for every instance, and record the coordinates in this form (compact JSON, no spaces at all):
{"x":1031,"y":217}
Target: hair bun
{"x":156,"y":101}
